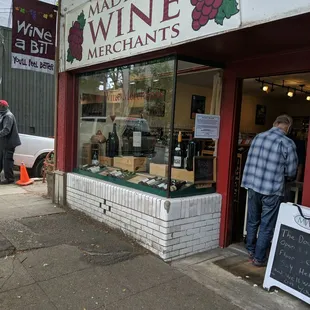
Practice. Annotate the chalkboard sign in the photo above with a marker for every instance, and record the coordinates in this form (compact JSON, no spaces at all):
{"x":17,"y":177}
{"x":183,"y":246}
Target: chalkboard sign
{"x":204,"y":169}
{"x":289,"y":262}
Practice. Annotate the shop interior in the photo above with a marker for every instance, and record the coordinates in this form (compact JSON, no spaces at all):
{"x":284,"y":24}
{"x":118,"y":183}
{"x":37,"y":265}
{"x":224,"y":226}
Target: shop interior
{"x":263,"y":99}
{"x":125,"y":127}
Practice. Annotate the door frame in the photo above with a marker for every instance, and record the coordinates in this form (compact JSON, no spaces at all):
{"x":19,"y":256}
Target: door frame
{"x":297,"y":61}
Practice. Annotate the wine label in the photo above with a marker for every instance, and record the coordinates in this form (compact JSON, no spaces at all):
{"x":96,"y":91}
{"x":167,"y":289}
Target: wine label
{"x":137,"y":139}
{"x":151,"y":182}
{"x":145,"y":180}
{"x":177,"y":161}
{"x":162,"y":185}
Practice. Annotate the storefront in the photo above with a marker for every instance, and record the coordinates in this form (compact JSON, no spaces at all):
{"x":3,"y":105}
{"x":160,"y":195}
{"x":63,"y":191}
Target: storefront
{"x":128,"y":153}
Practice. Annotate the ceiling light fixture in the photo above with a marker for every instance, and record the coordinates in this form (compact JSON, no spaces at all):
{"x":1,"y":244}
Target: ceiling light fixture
{"x":290,"y":93}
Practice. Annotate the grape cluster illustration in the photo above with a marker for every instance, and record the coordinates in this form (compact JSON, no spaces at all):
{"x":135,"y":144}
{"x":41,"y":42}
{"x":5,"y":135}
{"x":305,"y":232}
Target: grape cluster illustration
{"x":206,"y":10}
{"x":76,"y":39}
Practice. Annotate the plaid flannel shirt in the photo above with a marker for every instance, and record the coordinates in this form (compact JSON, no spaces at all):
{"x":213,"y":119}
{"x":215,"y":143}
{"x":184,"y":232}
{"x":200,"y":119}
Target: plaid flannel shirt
{"x":272,"y":158}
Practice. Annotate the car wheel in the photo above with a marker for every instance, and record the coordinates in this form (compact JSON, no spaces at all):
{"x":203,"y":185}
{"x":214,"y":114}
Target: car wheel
{"x":38,"y":169}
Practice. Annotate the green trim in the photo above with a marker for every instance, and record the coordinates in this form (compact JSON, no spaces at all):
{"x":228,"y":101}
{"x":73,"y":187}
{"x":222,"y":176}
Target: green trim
{"x":191,"y":191}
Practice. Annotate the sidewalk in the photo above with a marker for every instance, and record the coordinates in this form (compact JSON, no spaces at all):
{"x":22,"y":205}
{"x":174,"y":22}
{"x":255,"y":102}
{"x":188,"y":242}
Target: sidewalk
{"x":64,"y":260}
{"x":229,"y":273}
{"x":61,"y":259}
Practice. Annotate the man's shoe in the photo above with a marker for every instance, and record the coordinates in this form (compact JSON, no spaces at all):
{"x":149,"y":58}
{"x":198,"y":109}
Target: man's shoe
{"x":251,"y":256}
{"x":256,"y":263}
{"x":6,"y":182}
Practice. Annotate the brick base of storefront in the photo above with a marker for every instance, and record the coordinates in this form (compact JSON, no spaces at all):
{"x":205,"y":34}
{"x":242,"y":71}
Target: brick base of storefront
{"x":170,"y":228}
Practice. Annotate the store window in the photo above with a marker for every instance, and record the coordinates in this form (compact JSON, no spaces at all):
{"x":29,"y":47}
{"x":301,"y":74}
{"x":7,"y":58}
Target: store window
{"x":125,"y":118}
{"x":136,"y":127}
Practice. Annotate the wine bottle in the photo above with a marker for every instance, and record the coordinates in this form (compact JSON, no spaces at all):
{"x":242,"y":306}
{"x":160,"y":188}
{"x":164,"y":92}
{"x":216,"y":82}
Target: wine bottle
{"x":144,"y":181}
{"x":176,"y":185}
{"x":158,"y":181}
{"x":137,"y":140}
{"x":113,"y":143}
{"x":151,"y":182}
{"x":95,"y":161}
{"x":125,"y":143}
{"x":116,"y":140}
{"x":162,"y":184}
{"x":191,"y":153}
{"x":178,"y":159}
{"x":185,"y":157}
{"x":165,"y":187}
{"x":107,"y":152}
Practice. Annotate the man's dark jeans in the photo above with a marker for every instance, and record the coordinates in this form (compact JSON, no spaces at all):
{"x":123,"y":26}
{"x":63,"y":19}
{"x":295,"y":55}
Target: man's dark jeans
{"x":262,"y":213}
{"x":7,"y":163}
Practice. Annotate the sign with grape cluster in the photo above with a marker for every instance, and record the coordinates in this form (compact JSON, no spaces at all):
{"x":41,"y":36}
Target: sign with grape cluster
{"x":105,"y":30}
{"x":207,"y":10}
{"x":34,"y":36}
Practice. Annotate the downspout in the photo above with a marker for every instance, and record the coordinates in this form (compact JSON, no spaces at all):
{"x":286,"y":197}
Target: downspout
{"x":57,"y":54}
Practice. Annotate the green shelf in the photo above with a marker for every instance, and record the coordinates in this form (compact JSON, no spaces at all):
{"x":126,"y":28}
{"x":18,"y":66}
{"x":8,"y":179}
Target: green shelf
{"x":190,"y":191}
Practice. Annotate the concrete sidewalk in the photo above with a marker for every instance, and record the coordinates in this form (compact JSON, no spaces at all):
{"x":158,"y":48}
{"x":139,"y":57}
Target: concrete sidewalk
{"x":64,"y":260}
{"x":61,"y":259}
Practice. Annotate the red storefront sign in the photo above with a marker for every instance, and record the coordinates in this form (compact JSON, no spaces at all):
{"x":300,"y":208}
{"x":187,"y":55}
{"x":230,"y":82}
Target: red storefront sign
{"x":34,"y":36}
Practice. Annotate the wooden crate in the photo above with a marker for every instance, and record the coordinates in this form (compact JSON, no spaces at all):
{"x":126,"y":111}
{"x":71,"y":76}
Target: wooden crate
{"x":130,"y":163}
{"x":182,"y":175}
{"x":159,"y":170}
{"x":107,"y":161}
{"x":86,"y":154}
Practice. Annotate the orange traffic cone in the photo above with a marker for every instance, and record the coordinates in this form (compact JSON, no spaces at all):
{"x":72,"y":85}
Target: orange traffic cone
{"x":24,"y":179}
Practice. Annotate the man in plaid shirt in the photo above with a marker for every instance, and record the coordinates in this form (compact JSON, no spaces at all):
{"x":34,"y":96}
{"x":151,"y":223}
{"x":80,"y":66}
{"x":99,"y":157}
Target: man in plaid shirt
{"x":272,"y":160}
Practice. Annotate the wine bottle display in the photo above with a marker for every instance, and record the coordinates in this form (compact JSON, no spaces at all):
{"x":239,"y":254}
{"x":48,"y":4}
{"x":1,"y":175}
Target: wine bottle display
{"x":137,"y":140}
{"x":95,"y":161}
{"x":126,"y":147}
{"x":113,"y":143}
{"x":191,"y":153}
{"x":178,"y":160}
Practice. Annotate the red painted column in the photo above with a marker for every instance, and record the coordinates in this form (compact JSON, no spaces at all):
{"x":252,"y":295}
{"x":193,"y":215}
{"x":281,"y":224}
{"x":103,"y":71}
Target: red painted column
{"x":66,"y":123}
{"x":306,"y":192}
{"x":230,"y":118}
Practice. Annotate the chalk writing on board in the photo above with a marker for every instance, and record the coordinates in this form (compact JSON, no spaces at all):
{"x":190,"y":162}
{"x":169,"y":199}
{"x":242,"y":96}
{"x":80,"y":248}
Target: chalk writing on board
{"x":291,"y":265}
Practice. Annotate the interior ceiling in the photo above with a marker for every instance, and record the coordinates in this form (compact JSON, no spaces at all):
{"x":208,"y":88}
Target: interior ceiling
{"x":253,"y":88}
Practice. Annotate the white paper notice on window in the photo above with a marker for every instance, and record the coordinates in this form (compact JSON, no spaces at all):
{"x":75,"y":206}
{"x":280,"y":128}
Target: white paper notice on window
{"x":137,"y":139}
{"x":207,"y":126}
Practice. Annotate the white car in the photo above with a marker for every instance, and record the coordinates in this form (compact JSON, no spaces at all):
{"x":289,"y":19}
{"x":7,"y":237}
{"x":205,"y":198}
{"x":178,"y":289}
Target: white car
{"x":32,"y":153}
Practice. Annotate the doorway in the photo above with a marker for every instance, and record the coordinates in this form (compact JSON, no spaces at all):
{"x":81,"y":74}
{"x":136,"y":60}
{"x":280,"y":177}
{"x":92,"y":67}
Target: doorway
{"x":263,"y":99}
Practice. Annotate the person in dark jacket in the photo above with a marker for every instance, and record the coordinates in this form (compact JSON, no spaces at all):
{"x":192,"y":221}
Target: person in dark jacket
{"x":9,"y":140}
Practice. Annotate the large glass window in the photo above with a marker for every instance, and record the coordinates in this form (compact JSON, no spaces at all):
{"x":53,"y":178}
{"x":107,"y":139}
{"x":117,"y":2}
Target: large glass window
{"x":125,"y":118}
{"x":136,"y":127}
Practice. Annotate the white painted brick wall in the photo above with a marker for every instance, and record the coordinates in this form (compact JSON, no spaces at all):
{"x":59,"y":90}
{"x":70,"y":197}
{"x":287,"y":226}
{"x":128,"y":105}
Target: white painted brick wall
{"x":170,"y":228}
